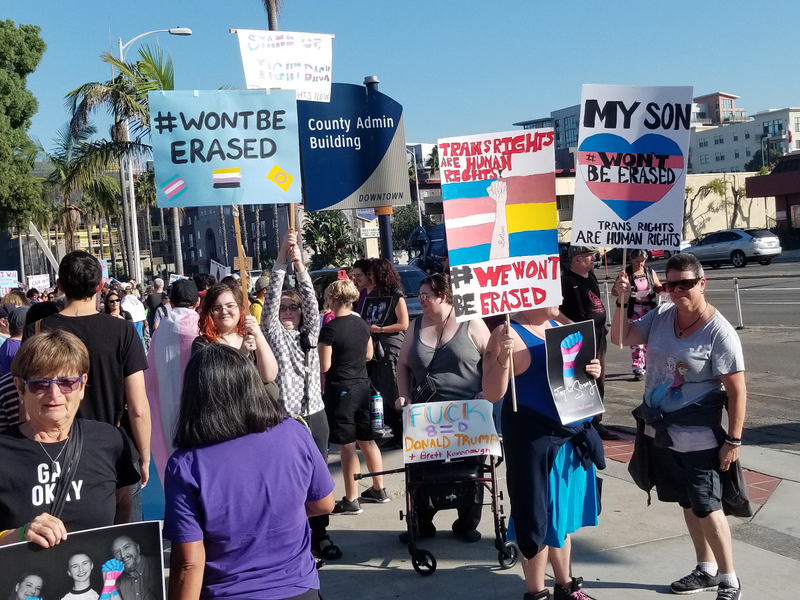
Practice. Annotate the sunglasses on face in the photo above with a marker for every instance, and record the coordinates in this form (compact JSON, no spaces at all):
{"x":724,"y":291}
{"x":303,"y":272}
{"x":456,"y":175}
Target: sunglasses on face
{"x":289,"y":308}
{"x":42,"y":386}
{"x":114,"y":301}
{"x":684,"y":284}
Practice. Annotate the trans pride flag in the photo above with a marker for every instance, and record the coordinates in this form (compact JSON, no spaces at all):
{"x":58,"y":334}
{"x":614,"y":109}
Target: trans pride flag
{"x":499,"y":195}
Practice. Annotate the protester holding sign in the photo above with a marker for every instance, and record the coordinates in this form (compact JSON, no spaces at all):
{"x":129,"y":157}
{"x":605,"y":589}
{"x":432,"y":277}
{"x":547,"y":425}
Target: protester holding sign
{"x":240,"y":487}
{"x":682,"y":447}
{"x":440,"y":361}
{"x":290,"y":320}
{"x":59,"y":474}
{"x":550,"y":467}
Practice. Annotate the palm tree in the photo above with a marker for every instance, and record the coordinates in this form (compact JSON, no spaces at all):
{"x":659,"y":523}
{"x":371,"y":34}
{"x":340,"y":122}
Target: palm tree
{"x":329,"y":235}
{"x":125,"y":97}
{"x":432,"y":163}
{"x":79,"y":165}
{"x":146,"y":199}
{"x":224,"y":232}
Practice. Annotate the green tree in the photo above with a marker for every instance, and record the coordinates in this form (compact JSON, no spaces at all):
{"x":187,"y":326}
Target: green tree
{"x":21,"y":49}
{"x":757,"y":162}
{"x":695,"y":207}
{"x":404,"y":220}
{"x":145,"y":187}
{"x":329,"y":235}
{"x":432,"y":162}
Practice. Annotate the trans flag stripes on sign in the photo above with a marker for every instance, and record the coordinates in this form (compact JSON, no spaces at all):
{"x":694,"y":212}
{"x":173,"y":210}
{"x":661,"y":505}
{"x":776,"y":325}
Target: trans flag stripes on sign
{"x":501,"y":221}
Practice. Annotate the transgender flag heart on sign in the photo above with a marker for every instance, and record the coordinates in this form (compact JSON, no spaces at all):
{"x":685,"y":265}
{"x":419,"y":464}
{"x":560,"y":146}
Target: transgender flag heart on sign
{"x":630,"y":177}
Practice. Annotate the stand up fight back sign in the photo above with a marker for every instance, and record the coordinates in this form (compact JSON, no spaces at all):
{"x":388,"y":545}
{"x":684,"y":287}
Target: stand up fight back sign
{"x":499,"y":192}
{"x":631,"y":162}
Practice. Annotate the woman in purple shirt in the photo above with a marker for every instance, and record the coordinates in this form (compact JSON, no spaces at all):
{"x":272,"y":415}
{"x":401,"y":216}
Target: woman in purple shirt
{"x":240,"y":488}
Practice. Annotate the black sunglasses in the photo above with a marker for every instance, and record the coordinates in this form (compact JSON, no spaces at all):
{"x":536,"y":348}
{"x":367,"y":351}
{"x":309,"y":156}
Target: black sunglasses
{"x":684,"y":284}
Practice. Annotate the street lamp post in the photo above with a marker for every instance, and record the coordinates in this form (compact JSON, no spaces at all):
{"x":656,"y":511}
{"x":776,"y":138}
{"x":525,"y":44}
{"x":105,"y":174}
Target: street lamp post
{"x":128,"y":168}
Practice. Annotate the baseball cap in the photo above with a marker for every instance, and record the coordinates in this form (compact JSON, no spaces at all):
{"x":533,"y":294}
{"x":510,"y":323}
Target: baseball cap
{"x":576,"y":250}
{"x":261,"y":283}
{"x":6,"y":309}
{"x":184,"y":293}
{"x":16,"y":322}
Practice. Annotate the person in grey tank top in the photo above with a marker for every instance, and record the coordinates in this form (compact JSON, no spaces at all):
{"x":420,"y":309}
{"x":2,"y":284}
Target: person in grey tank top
{"x":450,"y":353}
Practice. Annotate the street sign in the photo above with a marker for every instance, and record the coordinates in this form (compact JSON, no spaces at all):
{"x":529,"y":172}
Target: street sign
{"x":370,"y":232}
{"x":353,"y":150}
{"x":365,"y":214}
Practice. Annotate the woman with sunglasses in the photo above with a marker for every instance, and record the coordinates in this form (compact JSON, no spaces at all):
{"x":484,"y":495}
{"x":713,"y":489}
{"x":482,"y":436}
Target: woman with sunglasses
{"x":114,"y":307}
{"x":224,"y":320}
{"x":290,"y":320}
{"x":59,"y":474}
{"x":682,"y":447}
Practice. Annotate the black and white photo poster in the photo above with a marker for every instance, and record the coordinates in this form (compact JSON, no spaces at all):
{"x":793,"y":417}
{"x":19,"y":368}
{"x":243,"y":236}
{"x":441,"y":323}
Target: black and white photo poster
{"x":87,"y":565}
{"x":569,"y":349}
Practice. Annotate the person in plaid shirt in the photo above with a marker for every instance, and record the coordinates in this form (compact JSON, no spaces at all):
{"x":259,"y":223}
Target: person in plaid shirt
{"x":290,"y":322}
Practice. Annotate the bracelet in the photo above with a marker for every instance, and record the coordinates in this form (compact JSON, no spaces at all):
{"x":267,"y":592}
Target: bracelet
{"x":621,"y":305}
{"x":2,"y":533}
{"x":501,"y":364}
{"x":732,"y":441}
{"x":22,"y":532}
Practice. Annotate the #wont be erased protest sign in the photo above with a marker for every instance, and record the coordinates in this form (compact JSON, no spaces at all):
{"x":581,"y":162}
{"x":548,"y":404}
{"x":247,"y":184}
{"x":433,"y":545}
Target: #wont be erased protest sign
{"x":631,"y":162}
{"x":214,"y":148}
{"x":288,"y":60}
{"x":500,"y":214}
{"x":569,"y":349}
{"x":441,"y":430}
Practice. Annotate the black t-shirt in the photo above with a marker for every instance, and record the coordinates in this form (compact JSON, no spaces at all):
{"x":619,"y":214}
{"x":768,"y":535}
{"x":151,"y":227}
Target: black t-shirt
{"x":115,"y":352}
{"x":152,"y":302}
{"x":588,"y":307}
{"x":348,"y":336}
{"x":27,"y":477}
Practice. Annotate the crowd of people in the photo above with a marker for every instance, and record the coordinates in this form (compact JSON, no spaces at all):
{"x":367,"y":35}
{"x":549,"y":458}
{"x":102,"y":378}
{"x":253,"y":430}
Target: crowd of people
{"x":238,"y":401}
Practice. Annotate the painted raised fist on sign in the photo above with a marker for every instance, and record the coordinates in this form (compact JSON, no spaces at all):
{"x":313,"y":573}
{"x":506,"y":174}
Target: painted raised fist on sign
{"x":498,"y":192}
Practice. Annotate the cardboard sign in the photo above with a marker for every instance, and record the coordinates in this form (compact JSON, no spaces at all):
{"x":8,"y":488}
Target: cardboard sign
{"x":39,"y":282}
{"x":8,"y":281}
{"x":442,"y":430}
{"x":218,"y":270}
{"x":214,"y":148}
{"x":631,"y":166}
{"x":288,"y":60}
{"x":569,"y":349}
{"x":499,"y":193}
{"x":46,"y":573}
{"x":104,"y":265}
{"x":248,"y":264}
{"x":173,"y":278}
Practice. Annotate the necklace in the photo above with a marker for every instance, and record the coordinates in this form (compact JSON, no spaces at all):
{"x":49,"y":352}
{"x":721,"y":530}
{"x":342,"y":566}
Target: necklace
{"x":681,"y":330}
{"x":538,"y":330}
{"x":53,"y":460}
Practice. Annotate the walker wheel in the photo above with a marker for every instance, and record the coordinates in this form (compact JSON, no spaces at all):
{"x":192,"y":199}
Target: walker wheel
{"x":508,"y":555}
{"x":424,"y":562}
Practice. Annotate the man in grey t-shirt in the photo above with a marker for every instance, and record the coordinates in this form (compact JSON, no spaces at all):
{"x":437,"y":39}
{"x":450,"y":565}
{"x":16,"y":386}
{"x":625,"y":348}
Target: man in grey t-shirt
{"x":693,"y":355}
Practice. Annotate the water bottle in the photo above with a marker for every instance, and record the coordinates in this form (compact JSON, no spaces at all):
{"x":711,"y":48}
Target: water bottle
{"x":376,"y":412}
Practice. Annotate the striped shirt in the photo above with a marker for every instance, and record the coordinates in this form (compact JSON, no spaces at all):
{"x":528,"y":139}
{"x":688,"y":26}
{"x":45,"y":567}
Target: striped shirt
{"x":9,"y":402}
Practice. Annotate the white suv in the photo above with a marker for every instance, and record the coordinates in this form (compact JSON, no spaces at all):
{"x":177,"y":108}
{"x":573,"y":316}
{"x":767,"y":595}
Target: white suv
{"x":736,"y":246}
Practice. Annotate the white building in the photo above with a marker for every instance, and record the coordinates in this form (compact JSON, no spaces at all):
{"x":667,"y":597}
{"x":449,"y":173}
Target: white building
{"x":728,"y":148}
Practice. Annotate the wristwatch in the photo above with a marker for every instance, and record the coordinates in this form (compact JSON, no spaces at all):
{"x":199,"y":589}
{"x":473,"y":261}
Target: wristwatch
{"x":381,"y":328}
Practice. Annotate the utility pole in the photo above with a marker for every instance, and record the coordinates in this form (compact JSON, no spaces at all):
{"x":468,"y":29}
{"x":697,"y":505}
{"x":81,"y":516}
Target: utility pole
{"x":384,"y":213}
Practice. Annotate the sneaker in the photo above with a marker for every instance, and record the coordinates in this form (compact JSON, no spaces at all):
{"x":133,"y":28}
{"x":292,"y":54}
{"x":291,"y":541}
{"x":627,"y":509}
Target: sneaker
{"x":377,"y":496}
{"x":574,"y":592}
{"x":543,"y":595}
{"x":605,"y":434}
{"x":638,"y":376}
{"x":696,"y":581}
{"x":727,"y":592}
{"x":347,"y":507}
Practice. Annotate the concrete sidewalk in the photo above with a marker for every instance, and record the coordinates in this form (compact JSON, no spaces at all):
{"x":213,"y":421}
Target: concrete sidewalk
{"x":634,"y":553}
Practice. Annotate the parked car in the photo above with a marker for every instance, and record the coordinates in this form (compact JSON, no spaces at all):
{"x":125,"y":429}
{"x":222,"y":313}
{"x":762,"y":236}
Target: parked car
{"x":736,"y":246}
{"x":615,"y":255}
{"x":411,"y":277}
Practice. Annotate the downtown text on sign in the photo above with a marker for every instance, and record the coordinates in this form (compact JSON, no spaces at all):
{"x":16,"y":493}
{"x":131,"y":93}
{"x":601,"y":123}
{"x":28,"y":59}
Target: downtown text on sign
{"x":499,"y":195}
{"x":442,"y":430}
{"x":631,"y":166}
{"x":288,"y":60}
{"x":214,"y":148}
{"x":353,"y":150}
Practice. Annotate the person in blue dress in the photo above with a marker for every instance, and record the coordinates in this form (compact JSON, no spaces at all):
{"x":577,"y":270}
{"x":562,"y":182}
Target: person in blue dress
{"x":550,"y":467}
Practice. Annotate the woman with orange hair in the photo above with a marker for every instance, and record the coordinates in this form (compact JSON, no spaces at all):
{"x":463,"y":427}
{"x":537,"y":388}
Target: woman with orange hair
{"x":224,"y":320}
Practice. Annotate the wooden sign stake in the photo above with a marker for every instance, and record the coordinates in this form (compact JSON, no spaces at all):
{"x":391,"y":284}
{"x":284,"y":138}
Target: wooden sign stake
{"x":511,"y":367}
{"x":624,"y":317}
{"x":242,"y":266}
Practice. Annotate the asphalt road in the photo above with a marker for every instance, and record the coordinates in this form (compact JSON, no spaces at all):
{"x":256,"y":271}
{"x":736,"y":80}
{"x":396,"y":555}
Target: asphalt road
{"x":771,"y":343}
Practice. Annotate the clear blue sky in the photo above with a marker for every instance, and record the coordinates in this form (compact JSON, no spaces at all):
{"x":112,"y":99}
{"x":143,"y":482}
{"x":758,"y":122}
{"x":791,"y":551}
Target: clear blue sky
{"x":456,"y":68}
